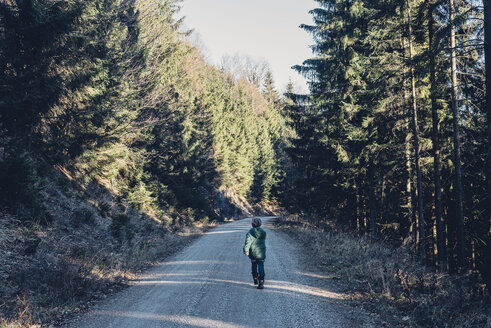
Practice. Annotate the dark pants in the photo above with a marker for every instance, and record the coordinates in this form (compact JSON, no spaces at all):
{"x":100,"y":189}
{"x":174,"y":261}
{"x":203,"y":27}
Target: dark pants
{"x":258,"y":265}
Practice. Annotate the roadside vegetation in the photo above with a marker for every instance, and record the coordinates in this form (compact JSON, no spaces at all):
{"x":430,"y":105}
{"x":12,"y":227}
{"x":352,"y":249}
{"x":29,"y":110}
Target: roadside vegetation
{"x":92,"y":245}
{"x":388,"y":280}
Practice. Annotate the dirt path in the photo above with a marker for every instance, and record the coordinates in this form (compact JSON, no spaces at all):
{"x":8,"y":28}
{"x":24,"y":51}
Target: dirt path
{"x":209,"y":284}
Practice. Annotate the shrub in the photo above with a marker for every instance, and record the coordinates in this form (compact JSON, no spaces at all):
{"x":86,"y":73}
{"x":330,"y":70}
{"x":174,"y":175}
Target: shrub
{"x":82,"y":216}
{"x":78,"y":251}
{"x":58,"y":281}
{"x":18,"y":180}
{"x":205,"y":219}
{"x":42,"y":216}
{"x":119,"y":227}
{"x":31,"y":241}
{"x":104,"y":208}
{"x":20,"y":187}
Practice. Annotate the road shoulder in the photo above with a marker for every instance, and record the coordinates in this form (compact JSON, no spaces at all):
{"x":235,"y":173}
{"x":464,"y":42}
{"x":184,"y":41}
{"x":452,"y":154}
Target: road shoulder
{"x":316,"y":273}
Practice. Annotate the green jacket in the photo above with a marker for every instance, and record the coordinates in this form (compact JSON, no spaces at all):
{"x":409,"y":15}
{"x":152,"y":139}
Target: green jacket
{"x":255,"y":244}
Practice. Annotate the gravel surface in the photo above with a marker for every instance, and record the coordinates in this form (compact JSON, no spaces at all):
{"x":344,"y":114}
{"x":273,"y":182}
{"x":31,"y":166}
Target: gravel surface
{"x":209,"y":284}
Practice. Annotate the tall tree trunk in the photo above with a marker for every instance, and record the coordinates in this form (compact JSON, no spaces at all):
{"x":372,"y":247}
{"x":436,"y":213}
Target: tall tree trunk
{"x":365,"y":217}
{"x":382,"y":196}
{"x":411,"y":193}
{"x":352,"y":206}
{"x":439,"y":249}
{"x":415,"y":128}
{"x":408,"y":156}
{"x":459,"y":216}
{"x":373,"y":201}
{"x":358,"y":209}
{"x":487,"y":54}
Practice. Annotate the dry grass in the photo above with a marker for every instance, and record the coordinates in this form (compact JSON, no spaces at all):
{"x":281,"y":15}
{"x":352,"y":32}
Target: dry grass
{"x":24,"y":317}
{"x":71,"y":268}
{"x":48,"y":272}
{"x":391,"y":282}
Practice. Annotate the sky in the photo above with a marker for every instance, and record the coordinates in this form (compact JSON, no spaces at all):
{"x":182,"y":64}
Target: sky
{"x":262,"y":29}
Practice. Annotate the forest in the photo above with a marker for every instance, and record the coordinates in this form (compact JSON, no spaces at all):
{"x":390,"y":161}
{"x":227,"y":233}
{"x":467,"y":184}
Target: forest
{"x":113,"y":90}
{"x":392,"y":142}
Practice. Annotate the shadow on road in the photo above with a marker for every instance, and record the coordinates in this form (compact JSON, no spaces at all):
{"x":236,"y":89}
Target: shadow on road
{"x":272,"y":286}
{"x":179,"y":320}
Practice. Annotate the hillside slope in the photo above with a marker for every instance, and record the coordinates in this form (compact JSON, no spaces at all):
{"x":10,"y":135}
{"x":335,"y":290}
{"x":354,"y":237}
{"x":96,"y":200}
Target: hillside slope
{"x":90,"y":245}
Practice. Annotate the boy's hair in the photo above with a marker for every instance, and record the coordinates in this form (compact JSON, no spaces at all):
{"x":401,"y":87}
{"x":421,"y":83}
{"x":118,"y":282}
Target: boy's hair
{"x":256,"y":222}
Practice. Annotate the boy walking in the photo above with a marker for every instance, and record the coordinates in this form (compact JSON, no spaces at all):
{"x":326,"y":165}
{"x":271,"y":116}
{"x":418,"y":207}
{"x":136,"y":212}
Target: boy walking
{"x":255,"y":248}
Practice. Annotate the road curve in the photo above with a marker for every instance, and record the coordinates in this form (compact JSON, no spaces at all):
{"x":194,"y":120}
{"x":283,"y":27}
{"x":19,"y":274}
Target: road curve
{"x":209,"y":284}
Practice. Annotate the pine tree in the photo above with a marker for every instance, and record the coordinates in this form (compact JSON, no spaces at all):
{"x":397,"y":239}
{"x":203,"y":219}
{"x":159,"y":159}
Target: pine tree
{"x":269,"y":90}
{"x":32,"y":44}
{"x":433,"y":52}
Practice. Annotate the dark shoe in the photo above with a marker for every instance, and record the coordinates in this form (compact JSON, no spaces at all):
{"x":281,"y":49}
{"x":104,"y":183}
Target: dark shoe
{"x":255,"y":280}
{"x":261,"y":284}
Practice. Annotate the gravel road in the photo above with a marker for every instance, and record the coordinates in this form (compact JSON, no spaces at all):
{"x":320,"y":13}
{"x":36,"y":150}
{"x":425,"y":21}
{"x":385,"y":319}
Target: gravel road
{"x":209,"y":284}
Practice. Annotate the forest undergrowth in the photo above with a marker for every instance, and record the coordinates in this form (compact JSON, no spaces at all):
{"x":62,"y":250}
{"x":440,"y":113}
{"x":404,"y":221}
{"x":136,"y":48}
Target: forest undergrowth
{"x":389,"y":280}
